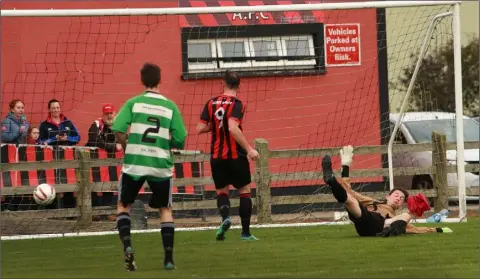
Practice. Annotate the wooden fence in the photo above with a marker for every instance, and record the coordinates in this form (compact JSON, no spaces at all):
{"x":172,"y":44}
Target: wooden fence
{"x":262,"y":177}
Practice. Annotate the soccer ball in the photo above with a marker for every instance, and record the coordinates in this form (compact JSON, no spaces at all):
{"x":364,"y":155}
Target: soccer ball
{"x":44,"y":194}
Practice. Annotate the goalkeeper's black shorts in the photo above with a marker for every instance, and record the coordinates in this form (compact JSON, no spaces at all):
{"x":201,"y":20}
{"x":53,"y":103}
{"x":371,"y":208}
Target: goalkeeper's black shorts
{"x":369,"y":224}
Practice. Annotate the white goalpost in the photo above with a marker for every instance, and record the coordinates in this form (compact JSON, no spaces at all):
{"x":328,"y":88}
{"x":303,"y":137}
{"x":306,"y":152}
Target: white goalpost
{"x":458,"y":104}
{"x":320,"y":104}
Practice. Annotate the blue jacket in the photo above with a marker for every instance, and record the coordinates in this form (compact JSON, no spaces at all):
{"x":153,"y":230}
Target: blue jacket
{"x":49,"y":130}
{"x":11,"y":129}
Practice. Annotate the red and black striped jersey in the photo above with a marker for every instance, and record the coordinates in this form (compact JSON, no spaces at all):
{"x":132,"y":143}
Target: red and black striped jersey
{"x":217,"y":112}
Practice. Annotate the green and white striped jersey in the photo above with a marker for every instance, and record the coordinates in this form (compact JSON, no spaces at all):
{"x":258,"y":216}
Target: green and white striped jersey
{"x":156,"y":126}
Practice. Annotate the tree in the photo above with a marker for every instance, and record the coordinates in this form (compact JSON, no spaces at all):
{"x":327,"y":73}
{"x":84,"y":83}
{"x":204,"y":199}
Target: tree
{"x":434,"y":89}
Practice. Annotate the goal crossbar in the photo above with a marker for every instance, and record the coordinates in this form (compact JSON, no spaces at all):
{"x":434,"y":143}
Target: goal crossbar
{"x":212,"y":10}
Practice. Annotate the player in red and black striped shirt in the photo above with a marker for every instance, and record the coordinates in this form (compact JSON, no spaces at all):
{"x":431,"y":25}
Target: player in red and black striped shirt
{"x":223,"y":117}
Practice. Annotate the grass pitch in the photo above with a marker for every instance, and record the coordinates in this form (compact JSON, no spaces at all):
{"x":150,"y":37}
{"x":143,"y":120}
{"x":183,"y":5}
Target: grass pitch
{"x":307,"y":252}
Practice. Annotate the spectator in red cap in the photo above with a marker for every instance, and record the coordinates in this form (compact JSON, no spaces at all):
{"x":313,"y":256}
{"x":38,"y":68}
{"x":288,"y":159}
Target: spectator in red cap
{"x":100,"y":133}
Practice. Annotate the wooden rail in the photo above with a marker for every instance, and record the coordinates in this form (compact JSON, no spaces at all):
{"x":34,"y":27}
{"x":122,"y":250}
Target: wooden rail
{"x":262,"y":177}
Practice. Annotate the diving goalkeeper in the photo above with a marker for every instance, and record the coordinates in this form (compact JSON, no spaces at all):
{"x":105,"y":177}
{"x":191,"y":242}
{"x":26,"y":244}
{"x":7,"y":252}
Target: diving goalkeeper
{"x":373,"y":217}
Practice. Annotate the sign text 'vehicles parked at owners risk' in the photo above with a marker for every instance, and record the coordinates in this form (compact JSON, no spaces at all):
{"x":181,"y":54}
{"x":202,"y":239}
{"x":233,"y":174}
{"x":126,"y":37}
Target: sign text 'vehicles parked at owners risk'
{"x":342,"y":44}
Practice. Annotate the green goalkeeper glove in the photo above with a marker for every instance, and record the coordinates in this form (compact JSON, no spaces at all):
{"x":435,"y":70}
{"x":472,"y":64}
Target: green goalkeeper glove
{"x":444,"y":230}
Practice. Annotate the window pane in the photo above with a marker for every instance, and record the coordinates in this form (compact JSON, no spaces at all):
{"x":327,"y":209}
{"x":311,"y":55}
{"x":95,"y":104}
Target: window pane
{"x":297,"y":47}
{"x":422,"y":130}
{"x":265,"y":48}
{"x":199,"y":50}
{"x":233,"y":49}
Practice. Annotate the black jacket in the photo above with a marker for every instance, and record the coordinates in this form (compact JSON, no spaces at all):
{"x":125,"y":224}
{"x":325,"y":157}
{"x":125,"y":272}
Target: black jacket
{"x":100,"y":135}
{"x":49,"y":131}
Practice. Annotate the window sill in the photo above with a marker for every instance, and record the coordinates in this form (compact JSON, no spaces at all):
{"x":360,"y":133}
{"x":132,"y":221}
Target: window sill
{"x":258,"y":73}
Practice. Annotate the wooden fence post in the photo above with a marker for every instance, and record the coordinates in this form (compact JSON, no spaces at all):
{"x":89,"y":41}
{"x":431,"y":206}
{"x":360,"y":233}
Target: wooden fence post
{"x":263,"y":197}
{"x":84,"y":197}
{"x":439,"y":163}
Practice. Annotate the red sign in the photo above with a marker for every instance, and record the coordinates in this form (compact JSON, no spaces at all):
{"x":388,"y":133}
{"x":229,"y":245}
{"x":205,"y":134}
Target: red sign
{"x":342,"y":44}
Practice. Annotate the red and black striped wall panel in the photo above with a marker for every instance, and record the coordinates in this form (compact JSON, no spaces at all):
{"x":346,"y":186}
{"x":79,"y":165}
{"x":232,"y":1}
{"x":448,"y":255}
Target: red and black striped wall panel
{"x":287,"y":17}
{"x":9,"y":155}
{"x":32,"y":153}
{"x":13,"y":154}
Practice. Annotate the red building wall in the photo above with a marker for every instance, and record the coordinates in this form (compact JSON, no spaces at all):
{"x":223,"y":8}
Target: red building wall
{"x":87,"y":62}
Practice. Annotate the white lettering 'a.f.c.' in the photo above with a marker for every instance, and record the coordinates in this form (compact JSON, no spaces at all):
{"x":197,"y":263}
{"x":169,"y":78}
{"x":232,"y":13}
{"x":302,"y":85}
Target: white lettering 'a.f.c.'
{"x":263,"y":16}
{"x":237,"y":15}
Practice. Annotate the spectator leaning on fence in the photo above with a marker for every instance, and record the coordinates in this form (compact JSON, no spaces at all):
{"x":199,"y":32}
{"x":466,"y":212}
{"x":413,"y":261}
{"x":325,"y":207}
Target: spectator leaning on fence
{"x":57,"y":129}
{"x":100,"y":133}
{"x":15,"y":126}
{"x":33,"y":135}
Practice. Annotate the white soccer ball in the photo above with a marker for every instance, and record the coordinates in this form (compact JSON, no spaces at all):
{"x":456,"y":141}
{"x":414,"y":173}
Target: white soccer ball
{"x":44,"y":194}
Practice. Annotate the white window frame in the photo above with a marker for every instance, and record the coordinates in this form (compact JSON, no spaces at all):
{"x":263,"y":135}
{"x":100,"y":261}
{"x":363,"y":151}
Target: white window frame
{"x":311,"y":48}
{"x":245,"y":64}
{"x":203,"y":66}
{"x":251,"y":64}
{"x":276,"y":63}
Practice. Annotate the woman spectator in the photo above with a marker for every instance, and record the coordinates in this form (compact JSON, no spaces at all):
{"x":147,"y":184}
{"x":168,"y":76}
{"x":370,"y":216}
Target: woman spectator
{"x":15,"y":126}
{"x":57,"y":129}
{"x":33,"y":135}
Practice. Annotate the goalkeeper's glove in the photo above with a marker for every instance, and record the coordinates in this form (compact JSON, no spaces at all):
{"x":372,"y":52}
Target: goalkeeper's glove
{"x":346,"y":155}
{"x":444,"y":230}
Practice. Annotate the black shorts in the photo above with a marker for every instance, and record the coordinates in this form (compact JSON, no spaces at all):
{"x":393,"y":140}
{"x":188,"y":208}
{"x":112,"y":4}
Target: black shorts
{"x":234,"y":172}
{"x":161,"y":191}
{"x":369,"y":224}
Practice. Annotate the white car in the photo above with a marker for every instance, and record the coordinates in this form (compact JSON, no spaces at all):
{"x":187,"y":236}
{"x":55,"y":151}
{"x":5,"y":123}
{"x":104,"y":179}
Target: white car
{"x":417,"y":127}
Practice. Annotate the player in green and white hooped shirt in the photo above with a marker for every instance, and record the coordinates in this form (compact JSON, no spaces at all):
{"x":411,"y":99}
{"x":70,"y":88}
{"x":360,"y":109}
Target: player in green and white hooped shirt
{"x":156,"y":126}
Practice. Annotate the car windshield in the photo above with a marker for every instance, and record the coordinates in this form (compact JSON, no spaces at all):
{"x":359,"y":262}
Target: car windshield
{"x":421,"y":131}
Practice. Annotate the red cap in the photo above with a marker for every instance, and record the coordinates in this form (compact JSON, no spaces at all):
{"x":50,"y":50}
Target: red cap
{"x":108,"y":108}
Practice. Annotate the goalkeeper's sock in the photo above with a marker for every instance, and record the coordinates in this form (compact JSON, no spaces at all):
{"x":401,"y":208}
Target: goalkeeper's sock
{"x":338,"y":191}
{"x":223,"y":204}
{"x":245,"y":212}
{"x":123,"y":226}
{"x":168,"y":231}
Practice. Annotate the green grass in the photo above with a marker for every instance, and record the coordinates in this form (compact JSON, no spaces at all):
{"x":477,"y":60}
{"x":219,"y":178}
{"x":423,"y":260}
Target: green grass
{"x":309,"y":252}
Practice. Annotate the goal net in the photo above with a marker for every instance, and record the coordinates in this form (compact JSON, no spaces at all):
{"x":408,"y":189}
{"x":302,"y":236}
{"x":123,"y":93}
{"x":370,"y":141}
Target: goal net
{"x":314,"y":79}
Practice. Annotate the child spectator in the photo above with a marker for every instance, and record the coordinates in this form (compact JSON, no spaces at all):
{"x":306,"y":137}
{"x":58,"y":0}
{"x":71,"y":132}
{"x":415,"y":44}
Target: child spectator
{"x":57,"y":129}
{"x":15,"y":126}
{"x":100,"y":133}
{"x":33,"y":135}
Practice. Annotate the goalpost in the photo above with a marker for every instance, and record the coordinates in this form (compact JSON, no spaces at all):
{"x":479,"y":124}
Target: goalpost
{"x":314,"y":76}
{"x":458,"y":103}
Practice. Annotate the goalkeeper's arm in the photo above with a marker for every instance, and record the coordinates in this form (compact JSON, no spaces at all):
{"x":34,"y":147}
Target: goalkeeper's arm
{"x":411,"y":229}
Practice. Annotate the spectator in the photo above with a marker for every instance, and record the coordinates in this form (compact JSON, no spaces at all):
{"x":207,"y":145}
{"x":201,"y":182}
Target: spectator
{"x":100,"y":133}
{"x":57,"y":129}
{"x":33,"y":135}
{"x":15,"y":126}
